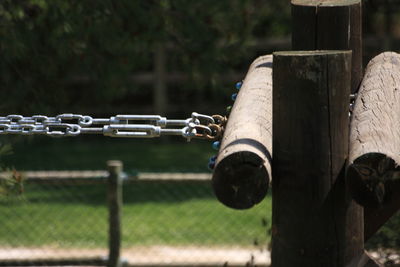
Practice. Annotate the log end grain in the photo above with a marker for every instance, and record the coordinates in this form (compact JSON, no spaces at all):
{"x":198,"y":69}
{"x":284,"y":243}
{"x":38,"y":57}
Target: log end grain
{"x":241,"y":180}
{"x":370,"y":177}
{"x":374,"y":133}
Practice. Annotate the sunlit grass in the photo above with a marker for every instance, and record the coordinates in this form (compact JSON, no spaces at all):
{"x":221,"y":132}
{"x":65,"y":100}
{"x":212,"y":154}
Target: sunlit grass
{"x":153,"y":214}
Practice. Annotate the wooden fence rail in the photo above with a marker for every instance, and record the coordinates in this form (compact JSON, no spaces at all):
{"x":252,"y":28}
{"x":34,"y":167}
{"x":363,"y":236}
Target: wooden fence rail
{"x":243,"y":168}
{"x":374,"y":173}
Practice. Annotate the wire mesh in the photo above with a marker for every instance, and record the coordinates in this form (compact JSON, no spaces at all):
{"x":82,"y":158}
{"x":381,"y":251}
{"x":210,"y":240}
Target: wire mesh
{"x":54,"y":221}
{"x":164,"y":222}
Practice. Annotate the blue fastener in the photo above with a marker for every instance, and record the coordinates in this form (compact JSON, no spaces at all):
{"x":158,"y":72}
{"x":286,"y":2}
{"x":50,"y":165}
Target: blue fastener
{"x":211,"y":162}
{"x":234,"y":96}
{"x":211,"y":165}
{"x":239,"y":85}
{"x":213,"y":158}
{"x":216,"y":145}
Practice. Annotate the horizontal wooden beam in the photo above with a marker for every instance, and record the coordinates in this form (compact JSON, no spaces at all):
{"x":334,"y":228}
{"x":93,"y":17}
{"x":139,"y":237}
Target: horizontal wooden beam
{"x":373,"y":174}
{"x":243,"y":167}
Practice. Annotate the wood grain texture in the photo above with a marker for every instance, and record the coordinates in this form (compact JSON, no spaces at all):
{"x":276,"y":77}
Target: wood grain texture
{"x":242,"y":172}
{"x":373,"y":174}
{"x":375,"y":132}
{"x":310,"y":148}
{"x":329,"y":25}
{"x":336,"y":24}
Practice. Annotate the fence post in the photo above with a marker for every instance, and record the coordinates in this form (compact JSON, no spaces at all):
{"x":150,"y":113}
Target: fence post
{"x":310,"y":146}
{"x":334,"y":25}
{"x":330,"y":25}
{"x":114,"y":168}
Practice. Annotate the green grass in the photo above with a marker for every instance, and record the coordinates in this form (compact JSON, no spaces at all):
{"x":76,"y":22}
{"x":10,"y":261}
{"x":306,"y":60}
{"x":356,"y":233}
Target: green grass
{"x":153,"y":214}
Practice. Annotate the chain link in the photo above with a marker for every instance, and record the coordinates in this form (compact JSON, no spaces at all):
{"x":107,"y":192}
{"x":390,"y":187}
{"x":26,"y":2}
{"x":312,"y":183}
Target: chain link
{"x":137,"y":126}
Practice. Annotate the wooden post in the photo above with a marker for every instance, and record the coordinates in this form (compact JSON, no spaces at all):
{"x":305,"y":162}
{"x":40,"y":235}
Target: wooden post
{"x":115,"y":207}
{"x":334,"y":25}
{"x":242,"y":172}
{"x":310,"y":115}
{"x":329,"y":25}
{"x":374,"y":173}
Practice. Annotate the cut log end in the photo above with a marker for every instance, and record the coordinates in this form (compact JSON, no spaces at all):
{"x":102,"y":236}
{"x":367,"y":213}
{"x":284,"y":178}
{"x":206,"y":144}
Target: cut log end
{"x":241,"y":180}
{"x":369,"y":178}
{"x":243,"y":166}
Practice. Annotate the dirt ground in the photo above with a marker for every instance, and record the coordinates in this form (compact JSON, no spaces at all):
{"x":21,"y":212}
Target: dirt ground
{"x":149,"y":255}
{"x":167,"y":255}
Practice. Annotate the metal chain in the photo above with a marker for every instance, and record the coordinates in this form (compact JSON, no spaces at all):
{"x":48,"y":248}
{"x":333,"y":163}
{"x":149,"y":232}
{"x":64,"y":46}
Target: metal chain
{"x":136,"y":126}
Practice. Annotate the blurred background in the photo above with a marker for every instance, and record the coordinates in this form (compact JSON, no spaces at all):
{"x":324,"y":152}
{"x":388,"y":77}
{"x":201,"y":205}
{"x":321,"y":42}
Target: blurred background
{"x":169,"y":58}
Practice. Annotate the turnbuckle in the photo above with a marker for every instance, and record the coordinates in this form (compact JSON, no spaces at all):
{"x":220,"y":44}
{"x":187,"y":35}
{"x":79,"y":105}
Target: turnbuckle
{"x":156,"y":120}
{"x":131,"y":130}
{"x":143,"y":131}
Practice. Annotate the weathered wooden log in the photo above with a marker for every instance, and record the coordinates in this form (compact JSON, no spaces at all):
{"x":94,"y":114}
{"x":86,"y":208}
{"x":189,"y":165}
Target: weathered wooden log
{"x":330,"y":25}
{"x":242,"y":171}
{"x":310,"y":148}
{"x":375,"y":132}
{"x":373,"y":174}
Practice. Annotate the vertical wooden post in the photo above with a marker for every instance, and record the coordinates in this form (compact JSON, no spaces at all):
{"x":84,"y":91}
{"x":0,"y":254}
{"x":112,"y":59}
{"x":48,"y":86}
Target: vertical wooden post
{"x":329,"y":25}
{"x":334,"y":25}
{"x":310,"y":147}
{"x":115,"y":207}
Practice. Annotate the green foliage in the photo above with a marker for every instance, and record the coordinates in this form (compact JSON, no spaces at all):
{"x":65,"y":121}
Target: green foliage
{"x":11,"y":184}
{"x":62,"y":54}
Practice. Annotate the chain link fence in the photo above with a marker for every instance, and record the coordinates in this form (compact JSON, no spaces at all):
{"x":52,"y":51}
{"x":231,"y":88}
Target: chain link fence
{"x":169,"y":219}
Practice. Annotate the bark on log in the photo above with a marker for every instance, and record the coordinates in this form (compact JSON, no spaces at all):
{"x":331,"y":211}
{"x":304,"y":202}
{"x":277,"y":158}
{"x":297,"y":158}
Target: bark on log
{"x":242,"y":171}
{"x":373,"y":174}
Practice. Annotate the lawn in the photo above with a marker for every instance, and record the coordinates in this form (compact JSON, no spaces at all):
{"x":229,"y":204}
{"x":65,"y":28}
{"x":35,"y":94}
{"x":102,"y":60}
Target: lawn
{"x":154,"y":214}
{"x":171,"y":214}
